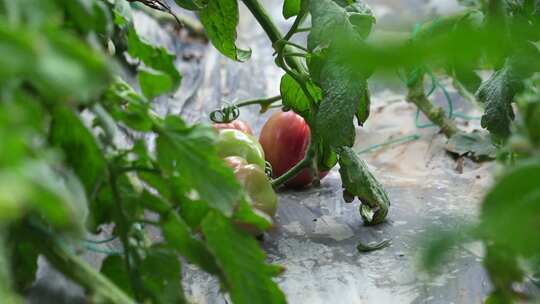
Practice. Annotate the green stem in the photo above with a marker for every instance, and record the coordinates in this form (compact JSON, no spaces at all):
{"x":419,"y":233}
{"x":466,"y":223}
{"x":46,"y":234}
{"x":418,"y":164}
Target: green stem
{"x":76,"y":268}
{"x":303,"y":55}
{"x":417,"y":96}
{"x":297,"y":69}
{"x":6,"y":283}
{"x":299,"y":78}
{"x":122,"y":224}
{"x":189,"y":23}
{"x":303,"y":29}
{"x":299,"y":19}
{"x":465,"y":93}
{"x":263,"y":102}
{"x":295,"y":45}
{"x":304,"y":163}
{"x":271,"y":30}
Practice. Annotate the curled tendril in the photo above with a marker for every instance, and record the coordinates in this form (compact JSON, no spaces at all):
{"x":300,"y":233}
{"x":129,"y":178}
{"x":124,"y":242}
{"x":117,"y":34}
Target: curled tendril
{"x":268,"y":170}
{"x":227,"y":113}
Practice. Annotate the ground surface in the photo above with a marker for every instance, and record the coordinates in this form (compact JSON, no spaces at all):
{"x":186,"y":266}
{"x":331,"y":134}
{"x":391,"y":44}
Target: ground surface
{"x":316,"y":232}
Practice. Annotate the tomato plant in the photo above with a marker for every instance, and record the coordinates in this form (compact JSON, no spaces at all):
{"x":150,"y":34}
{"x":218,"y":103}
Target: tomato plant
{"x":82,"y":147}
{"x":285,"y":139}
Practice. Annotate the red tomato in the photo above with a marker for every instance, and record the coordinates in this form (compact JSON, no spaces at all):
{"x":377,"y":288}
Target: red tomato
{"x":236,"y":124}
{"x":285,"y":139}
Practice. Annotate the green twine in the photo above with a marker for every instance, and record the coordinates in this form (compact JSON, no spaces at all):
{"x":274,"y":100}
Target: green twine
{"x":102,"y":250}
{"x":451,"y":114}
{"x":112,"y":238}
{"x":399,"y":140}
{"x":90,"y":246}
{"x":434,"y":84}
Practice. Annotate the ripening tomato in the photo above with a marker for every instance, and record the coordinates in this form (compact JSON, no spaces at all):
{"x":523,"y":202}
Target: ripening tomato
{"x":236,"y":124}
{"x":231,"y":142}
{"x":285,"y":139}
{"x":257,"y":187}
{"x":235,"y":162}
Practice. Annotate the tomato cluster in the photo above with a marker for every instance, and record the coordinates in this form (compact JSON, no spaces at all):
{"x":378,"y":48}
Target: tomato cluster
{"x":283,"y":143}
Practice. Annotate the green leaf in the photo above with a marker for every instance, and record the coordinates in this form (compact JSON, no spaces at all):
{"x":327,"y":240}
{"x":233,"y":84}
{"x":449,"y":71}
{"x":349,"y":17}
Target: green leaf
{"x":159,"y":61}
{"x":34,"y":187}
{"x":128,"y":107}
{"x":191,"y":4}
{"x":327,"y":157}
{"x":499,"y":90}
{"x":361,"y":17}
{"x":70,"y":69}
{"x":504,"y":270}
{"x":327,"y":19}
{"x":220,"y":19}
{"x":358,"y":181}
{"x":189,"y":154}
{"x":246,"y":214}
{"x":193,"y":213}
{"x":114,"y":268}
{"x":89,"y":16}
{"x":161,"y":276}
{"x":102,"y":19}
{"x":52,"y":198}
{"x":330,"y":22}
{"x":246,"y":275}
{"x":476,"y":145}
{"x":103,"y":208}
{"x":467,"y":77}
{"x":291,"y":8}
{"x":343,"y":84}
{"x":293,"y":96}
{"x":344,"y":96}
{"x":364,"y":104}
{"x":498,"y":93}
{"x":58,"y":65}
{"x":154,"y":83}
{"x":437,"y":245}
{"x":178,"y":236}
{"x":122,"y":13}
{"x":24,"y":261}
{"x":510,"y":209}
{"x":154,"y":203}
{"x":79,"y":146}
{"x":529,"y":107}
{"x":7,"y":294}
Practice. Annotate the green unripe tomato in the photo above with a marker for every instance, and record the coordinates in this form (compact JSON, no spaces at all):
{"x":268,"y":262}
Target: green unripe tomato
{"x":232,"y":142}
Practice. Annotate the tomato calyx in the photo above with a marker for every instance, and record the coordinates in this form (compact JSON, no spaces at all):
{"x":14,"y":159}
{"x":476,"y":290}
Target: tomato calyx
{"x":226,"y":114}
